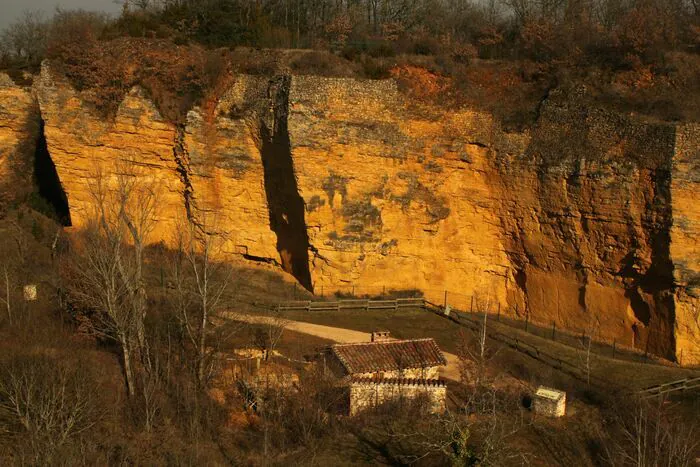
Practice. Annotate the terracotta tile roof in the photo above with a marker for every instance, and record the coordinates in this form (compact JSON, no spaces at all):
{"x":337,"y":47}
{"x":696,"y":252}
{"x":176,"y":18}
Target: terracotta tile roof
{"x":438,"y":383}
{"x":389,"y":355}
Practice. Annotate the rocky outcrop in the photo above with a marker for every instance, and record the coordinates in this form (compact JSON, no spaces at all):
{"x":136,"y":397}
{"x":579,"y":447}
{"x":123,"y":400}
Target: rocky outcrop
{"x":19,"y":127}
{"x":587,"y":221}
{"x":685,"y":246}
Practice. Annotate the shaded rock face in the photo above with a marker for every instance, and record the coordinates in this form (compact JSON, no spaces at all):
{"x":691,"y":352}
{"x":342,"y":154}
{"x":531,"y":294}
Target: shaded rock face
{"x":587,"y":221}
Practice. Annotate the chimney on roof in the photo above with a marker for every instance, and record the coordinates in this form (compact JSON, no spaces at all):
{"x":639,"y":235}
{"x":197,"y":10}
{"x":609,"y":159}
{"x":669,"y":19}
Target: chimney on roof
{"x":379,"y":336}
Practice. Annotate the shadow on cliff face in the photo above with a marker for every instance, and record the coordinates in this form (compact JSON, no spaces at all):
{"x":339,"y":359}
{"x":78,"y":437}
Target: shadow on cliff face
{"x":285,"y":205}
{"x":48,"y":186}
{"x":571,"y":143}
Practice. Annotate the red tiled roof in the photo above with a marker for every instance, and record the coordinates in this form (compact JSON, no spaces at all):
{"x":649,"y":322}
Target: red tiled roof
{"x":389,"y":355}
{"x":438,"y":383}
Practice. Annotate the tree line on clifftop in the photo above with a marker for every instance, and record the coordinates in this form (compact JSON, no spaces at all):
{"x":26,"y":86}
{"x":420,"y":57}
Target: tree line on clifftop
{"x":640,"y":54}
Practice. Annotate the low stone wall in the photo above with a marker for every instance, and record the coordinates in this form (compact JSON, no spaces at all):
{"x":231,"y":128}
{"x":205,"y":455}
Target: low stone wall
{"x":365,"y":394}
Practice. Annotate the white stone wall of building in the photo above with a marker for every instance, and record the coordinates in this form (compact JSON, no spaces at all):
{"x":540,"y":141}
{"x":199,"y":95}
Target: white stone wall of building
{"x":364,"y":395}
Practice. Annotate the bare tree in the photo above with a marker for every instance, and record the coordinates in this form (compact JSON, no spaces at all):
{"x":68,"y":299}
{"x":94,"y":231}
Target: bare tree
{"x":7,"y":298}
{"x":475,"y":359}
{"x":270,"y":332}
{"x":408,"y":435}
{"x":106,"y":272}
{"x":137,"y":203}
{"x":46,"y":404}
{"x":200,"y":279}
{"x":26,"y":38}
{"x":651,"y":435}
{"x":585,"y":355}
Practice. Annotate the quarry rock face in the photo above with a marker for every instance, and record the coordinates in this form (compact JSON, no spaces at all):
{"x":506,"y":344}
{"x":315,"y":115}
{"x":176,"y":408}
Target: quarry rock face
{"x":587,"y":222}
{"x":19,"y":126}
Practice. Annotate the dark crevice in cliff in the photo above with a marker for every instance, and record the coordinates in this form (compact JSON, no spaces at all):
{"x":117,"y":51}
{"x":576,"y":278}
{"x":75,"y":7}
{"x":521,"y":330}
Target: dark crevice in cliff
{"x":47,"y":183}
{"x":640,"y":308}
{"x":317,"y":254}
{"x":183,"y":169}
{"x":650,"y":291}
{"x":285,"y":204}
{"x":261,"y":259}
{"x":659,"y":280}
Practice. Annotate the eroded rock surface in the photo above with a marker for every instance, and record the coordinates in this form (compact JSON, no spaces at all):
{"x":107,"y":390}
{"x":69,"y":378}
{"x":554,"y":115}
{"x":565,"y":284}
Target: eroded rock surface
{"x":588,"y":221}
{"x":19,"y":127}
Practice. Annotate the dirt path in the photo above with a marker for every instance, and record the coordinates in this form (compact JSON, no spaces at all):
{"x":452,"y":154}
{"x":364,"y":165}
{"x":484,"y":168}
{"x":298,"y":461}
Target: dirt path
{"x":345,"y":336}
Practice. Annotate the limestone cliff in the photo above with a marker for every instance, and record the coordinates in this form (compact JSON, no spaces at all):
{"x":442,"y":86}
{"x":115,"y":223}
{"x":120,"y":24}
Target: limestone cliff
{"x":588,"y":220}
{"x":19,"y":126}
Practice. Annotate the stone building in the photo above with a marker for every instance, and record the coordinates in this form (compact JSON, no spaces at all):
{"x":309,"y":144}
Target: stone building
{"x":549,"y":402}
{"x":388,"y":369}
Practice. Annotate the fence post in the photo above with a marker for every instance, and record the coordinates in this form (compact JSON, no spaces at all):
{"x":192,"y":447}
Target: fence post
{"x":353,"y":290}
{"x":499,"y":312}
{"x":383,"y":290}
{"x":554,"y":330}
{"x":445,"y":304}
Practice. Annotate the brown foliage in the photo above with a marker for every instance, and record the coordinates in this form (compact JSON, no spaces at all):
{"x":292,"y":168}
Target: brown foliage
{"x":419,"y":82}
{"x":176,"y":77}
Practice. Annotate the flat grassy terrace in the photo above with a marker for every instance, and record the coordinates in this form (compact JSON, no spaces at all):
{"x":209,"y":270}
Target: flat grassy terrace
{"x":452,"y":337}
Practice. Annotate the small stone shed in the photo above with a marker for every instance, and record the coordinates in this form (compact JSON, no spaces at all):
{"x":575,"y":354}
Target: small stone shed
{"x":549,"y":402}
{"x":387,"y":369}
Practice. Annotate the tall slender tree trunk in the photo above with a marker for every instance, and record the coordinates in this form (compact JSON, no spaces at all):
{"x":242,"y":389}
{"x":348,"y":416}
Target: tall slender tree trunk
{"x":202,"y":342}
{"x":7,"y":296}
{"x":128,"y":371}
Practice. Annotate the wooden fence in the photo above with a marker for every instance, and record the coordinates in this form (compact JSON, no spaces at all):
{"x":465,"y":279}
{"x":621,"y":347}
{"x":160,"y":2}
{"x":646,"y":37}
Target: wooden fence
{"x":472,"y":321}
{"x":310,"y":305}
{"x":673,"y":386}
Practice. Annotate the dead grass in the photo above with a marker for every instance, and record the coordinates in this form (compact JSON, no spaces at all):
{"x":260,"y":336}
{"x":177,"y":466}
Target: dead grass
{"x":449,"y":335}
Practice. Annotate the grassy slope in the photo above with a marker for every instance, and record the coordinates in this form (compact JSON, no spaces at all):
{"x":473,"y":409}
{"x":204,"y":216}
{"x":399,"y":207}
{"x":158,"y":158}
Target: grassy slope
{"x":449,"y":335}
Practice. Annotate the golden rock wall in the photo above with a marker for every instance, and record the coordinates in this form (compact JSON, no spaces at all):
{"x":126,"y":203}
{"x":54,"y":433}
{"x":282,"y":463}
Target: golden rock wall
{"x":19,"y":125}
{"x":588,"y":220}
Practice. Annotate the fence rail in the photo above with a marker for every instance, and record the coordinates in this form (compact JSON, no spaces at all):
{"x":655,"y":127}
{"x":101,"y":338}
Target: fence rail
{"x":338,"y":305}
{"x":673,"y":386}
{"x":473,"y":320}
{"x":571,"y":337}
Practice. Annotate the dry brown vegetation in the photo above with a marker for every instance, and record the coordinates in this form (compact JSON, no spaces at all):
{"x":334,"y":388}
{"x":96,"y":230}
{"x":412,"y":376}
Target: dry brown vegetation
{"x":503,"y":56}
{"x":64,"y":400}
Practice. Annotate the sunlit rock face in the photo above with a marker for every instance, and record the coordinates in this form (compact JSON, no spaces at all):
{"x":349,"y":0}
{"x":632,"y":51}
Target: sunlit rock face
{"x":19,"y":128}
{"x":586,"y":221}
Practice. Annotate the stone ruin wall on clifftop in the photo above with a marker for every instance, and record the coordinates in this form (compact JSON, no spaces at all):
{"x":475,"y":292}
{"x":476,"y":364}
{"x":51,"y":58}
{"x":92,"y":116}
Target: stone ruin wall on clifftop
{"x":588,"y":220}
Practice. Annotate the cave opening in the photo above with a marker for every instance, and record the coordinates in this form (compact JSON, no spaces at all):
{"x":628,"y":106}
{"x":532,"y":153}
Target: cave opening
{"x":52,"y":198}
{"x":285,"y":204}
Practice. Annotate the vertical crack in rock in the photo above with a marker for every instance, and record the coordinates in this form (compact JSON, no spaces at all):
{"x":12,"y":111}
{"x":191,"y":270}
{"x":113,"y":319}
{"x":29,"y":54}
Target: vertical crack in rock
{"x":47,"y":182}
{"x":285,"y":204}
{"x":183,"y":168}
{"x":651,"y":290}
{"x":659,"y":280}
